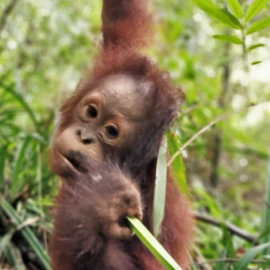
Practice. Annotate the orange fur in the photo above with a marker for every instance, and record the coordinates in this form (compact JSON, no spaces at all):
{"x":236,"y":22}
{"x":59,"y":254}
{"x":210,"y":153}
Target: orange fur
{"x":126,"y":28}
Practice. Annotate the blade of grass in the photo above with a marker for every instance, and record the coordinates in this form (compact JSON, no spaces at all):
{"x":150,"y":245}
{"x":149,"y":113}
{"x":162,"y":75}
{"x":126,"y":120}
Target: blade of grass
{"x":8,"y":114}
{"x":209,"y":202}
{"x":15,"y":257}
{"x":266,"y":209}
{"x":160,"y":188}
{"x":3,"y":155}
{"x":222,"y":264}
{"x":227,"y":241}
{"x":20,"y":155}
{"x":28,"y":234}
{"x":249,"y":256}
{"x":5,"y":240}
{"x":263,"y":234}
{"x":18,"y":182}
{"x":179,"y":170}
{"x":153,"y":245}
{"x":25,"y":105}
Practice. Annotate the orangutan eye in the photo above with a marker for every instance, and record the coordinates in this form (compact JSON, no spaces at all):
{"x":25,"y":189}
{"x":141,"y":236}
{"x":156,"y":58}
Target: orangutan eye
{"x":92,"y":111}
{"x":112,"y":131}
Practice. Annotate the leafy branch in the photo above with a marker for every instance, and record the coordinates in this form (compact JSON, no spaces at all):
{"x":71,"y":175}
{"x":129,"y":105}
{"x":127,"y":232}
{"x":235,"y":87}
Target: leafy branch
{"x":233,"y":17}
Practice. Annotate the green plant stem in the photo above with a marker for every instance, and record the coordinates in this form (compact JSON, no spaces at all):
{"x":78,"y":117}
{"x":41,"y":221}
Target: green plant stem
{"x":245,"y":62}
{"x":153,"y":245}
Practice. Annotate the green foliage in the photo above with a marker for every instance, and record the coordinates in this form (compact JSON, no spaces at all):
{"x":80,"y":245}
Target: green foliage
{"x":256,"y":7}
{"x":222,"y":16}
{"x":252,"y":47}
{"x":5,"y":241}
{"x":235,"y":8}
{"x":27,"y":234}
{"x":229,"y":39}
{"x":259,"y":25}
{"x":231,"y":20}
{"x":249,"y":255}
{"x":265,"y":237}
{"x":255,"y":63}
{"x":15,"y":257}
{"x":44,"y":48}
{"x":153,"y":245}
{"x":160,"y":188}
{"x":3,"y":156}
{"x":23,"y":142}
{"x":18,"y":98}
{"x":178,"y":168}
{"x":227,"y":244}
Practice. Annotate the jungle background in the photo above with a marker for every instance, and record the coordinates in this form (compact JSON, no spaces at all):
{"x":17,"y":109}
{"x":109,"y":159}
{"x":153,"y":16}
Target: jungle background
{"x":45,"y":48}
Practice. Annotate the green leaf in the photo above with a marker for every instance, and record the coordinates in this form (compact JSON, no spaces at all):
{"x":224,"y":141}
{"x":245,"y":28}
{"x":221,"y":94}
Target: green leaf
{"x":179,"y":170}
{"x":28,"y":234}
{"x":250,"y":255}
{"x":226,"y":18}
{"x":227,"y":241}
{"x":230,"y":39}
{"x":255,"y":63}
{"x":264,"y":235}
{"x":259,"y":26}
{"x":20,"y":156}
{"x":5,"y":240}
{"x":207,"y":5}
{"x":15,"y":257}
{"x":256,"y":7}
{"x":18,"y":181}
{"x":255,"y":46}
{"x":235,"y":8}
{"x":266,"y":209}
{"x":153,"y":245}
{"x":20,"y":99}
{"x":3,"y":155}
{"x":208,"y":202}
{"x":222,"y":264}
{"x":222,"y":16}
{"x":160,"y":188}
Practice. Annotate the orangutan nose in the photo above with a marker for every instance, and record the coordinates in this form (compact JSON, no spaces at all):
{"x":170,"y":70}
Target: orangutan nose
{"x":86,"y":136}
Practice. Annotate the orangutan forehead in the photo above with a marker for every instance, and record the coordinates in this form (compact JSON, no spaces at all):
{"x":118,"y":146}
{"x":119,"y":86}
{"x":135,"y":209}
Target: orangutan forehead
{"x":122,"y":85}
{"x":126,"y":94}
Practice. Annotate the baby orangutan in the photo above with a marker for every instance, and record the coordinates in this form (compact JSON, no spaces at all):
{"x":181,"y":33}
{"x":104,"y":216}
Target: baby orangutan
{"x":105,"y":152}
